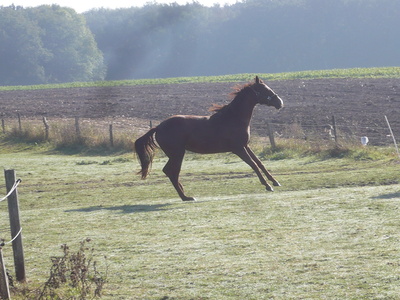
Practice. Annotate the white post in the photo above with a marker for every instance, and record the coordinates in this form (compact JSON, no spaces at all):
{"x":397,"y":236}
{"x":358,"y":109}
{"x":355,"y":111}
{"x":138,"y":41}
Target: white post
{"x":391,"y":133}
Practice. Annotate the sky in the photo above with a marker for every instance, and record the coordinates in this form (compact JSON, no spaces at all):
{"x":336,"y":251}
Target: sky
{"x":85,"y":5}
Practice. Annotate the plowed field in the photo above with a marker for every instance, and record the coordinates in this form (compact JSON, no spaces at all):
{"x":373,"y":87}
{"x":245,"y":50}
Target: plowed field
{"x":359,"y":105}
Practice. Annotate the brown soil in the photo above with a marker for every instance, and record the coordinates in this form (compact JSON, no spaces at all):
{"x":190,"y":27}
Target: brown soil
{"x":359,"y":105}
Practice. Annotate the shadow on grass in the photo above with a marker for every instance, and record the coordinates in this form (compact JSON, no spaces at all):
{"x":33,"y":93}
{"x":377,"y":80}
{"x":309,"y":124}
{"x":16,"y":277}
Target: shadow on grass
{"x":388,"y":196}
{"x":124,"y":209}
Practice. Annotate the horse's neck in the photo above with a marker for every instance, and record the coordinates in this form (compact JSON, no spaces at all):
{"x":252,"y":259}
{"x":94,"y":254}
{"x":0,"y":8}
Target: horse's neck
{"x":242,"y":108}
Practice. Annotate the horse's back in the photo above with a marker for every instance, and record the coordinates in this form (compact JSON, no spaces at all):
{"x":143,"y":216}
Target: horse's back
{"x":193,"y":133}
{"x":177,"y":129}
{"x":182,"y":124}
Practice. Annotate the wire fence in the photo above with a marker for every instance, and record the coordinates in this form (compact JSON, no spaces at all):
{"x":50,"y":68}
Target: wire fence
{"x":376,"y":132}
{"x":2,"y":240}
{"x":12,"y":190}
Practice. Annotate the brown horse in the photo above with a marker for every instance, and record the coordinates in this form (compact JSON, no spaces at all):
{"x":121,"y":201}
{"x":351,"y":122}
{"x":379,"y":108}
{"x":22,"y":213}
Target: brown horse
{"x":227,"y":130}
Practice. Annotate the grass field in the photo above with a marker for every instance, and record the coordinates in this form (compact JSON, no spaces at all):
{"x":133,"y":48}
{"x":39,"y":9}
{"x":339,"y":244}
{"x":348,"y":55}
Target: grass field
{"x":383,"y":72}
{"x":330,"y":232}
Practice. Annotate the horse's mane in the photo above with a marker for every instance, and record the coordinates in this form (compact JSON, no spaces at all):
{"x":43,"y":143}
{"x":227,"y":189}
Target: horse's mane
{"x":237,"y":91}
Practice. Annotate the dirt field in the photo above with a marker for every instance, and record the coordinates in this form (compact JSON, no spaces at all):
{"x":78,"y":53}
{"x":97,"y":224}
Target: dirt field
{"x":359,"y":105}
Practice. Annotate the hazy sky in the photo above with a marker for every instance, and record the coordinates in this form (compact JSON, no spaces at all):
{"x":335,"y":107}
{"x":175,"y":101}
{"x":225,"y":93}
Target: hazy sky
{"x":84,"y":5}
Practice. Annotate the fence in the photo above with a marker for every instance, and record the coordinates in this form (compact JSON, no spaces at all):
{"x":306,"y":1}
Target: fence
{"x":334,"y":129}
{"x":16,"y":235}
{"x":105,"y":131}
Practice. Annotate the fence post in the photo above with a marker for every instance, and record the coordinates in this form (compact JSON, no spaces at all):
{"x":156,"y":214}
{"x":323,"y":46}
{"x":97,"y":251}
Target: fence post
{"x":46,"y":128}
{"x":394,"y":139}
{"x":271,"y":135}
{"x":3,"y":125}
{"x":4,"y":288}
{"x":334,"y":129}
{"x":111,"y":136}
{"x":16,"y":235}
{"x":19,"y":122}
{"x":77,"y":128}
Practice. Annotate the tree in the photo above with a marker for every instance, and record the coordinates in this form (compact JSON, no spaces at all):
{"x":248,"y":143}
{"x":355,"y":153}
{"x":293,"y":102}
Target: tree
{"x":74,"y":55}
{"x":172,"y":40}
{"x":47,"y":44}
{"x":21,"y":51}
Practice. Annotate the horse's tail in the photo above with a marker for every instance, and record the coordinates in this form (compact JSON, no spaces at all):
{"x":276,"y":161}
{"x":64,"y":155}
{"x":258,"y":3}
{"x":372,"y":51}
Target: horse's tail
{"x":145,"y":146}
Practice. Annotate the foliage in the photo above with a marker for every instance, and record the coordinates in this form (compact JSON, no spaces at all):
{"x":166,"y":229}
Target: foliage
{"x":161,"y":40}
{"x":21,"y":50}
{"x":47,"y":44}
{"x":74,"y":53}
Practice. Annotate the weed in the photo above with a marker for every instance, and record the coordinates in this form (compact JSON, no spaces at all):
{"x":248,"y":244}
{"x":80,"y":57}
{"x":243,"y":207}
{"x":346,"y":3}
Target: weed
{"x":74,"y":275}
{"x":77,"y":272}
{"x":30,"y":135}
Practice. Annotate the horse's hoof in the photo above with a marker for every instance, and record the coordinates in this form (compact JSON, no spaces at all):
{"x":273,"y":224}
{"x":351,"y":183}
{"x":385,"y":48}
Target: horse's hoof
{"x":276,"y":183}
{"x":189,"y":199}
{"x":269,"y":188}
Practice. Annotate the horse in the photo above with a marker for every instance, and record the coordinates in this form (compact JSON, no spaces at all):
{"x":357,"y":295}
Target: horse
{"x":227,"y":130}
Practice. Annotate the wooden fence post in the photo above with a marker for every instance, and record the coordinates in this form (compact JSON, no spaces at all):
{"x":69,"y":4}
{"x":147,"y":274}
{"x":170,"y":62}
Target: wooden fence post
{"x":111,"y":136}
{"x":19,"y":122}
{"x":3,"y":125}
{"x":4,"y":288}
{"x":77,"y":128}
{"x":46,"y":128}
{"x":271,"y":135}
{"x":334,"y":129}
{"x":16,"y":235}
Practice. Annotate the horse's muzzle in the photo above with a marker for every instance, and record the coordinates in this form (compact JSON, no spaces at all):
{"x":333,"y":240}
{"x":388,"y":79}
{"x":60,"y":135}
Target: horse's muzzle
{"x":278,"y":103}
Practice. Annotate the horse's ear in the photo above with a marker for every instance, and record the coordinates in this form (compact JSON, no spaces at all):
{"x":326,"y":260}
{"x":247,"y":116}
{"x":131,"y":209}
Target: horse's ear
{"x":258,"y":80}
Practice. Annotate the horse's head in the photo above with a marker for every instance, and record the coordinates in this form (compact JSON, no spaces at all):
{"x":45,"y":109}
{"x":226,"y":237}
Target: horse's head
{"x":265,"y":95}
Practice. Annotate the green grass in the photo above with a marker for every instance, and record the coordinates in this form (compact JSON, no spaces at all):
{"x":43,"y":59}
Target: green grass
{"x":331,"y":231}
{"x":383,"y":72}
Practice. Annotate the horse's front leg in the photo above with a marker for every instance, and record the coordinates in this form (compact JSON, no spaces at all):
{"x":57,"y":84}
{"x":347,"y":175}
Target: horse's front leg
{"x":246,"y":157}
{"x":261,"y":166}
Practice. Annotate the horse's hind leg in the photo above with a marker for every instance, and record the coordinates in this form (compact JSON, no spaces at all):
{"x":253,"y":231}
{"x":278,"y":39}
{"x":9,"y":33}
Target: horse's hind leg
{"x":261,"y":166}
{"x":172,"y":170}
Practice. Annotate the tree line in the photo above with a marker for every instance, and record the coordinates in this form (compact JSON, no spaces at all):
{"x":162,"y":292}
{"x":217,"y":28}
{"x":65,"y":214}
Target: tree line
{"x":48,"y":44}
